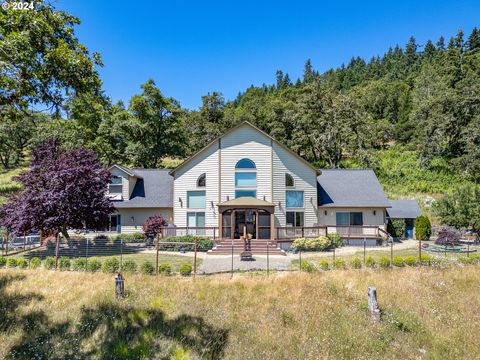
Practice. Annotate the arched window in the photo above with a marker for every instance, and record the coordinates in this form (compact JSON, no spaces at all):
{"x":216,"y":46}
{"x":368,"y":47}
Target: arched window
{"x":202,"y":180}
{"x":289,"y":180}
{"x":245,"y":178}
{"x":245,"y":164}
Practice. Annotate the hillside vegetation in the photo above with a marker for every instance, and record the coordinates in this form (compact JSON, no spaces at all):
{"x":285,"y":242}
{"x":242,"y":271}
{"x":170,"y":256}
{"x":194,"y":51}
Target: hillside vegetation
{"x":287,"y":316}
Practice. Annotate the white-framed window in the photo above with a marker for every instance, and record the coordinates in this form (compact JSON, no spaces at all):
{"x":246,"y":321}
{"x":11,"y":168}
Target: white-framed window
{"x":294,"y":199}
{"x":196,"y":199}
{"x":289,"y":182}
{"x":115,"y":185}
{"x":245,"y":178}
{"x":202,"y":180}
{"x":196,"y":219}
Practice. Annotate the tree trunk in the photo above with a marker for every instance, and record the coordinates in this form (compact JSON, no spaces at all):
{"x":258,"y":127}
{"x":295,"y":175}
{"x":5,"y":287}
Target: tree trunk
{"x":64,"y":232}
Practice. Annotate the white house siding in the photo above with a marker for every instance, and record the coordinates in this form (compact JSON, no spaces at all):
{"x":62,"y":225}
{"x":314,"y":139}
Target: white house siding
{"x":186,"y":180}
{"x":246,"y":142}
{"x":305,"y":179}
{"x":139,"y":215}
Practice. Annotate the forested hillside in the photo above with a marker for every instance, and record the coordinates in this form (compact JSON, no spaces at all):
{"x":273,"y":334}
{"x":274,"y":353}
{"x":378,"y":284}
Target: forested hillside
{"x":412,"y":114}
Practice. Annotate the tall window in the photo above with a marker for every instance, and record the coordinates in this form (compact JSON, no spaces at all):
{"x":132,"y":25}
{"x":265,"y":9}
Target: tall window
{"x":294,"y":199}
{"x":196,"y":200}
{"x":115,"y":186}
{"x":245,"y":178}
{"x":289,"y":180}
{"x":349,"y":218}
{"x":196,"y":219}
{"x":202,"y":180}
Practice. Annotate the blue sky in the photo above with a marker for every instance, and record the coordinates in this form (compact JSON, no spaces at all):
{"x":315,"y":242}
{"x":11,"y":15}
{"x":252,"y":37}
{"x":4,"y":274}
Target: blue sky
{"x":191,"y":48}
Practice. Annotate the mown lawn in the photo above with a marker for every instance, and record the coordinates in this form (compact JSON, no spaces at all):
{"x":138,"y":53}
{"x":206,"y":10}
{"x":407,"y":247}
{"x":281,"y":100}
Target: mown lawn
{"x":427,"y":313}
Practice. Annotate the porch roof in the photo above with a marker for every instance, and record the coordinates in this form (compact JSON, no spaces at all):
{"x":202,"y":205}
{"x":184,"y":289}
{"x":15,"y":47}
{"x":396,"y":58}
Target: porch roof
{"x":246,"y":201}
{"x":404,"y":209}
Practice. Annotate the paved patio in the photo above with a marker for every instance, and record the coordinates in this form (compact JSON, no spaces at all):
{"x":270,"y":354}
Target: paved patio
{"x":220,"y":263}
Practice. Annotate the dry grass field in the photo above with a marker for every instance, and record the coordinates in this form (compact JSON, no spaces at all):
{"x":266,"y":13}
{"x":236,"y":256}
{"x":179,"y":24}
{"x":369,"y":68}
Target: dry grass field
{"x":428,"y":313}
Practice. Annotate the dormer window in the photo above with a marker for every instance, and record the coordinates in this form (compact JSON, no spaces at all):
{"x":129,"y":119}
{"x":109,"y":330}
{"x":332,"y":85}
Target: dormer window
{"x":289,"y":182}
{"x":202,"y":180}
{"x":115,"y":186}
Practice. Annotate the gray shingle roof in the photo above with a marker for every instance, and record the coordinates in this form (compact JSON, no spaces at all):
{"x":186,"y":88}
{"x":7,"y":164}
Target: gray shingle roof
{"x":404,"y":209}
{"x":350,"y":188}
{"x":153,"y":189}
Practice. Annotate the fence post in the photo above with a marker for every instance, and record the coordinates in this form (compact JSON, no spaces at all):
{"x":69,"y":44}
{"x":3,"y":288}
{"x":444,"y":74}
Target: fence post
{"x":195,"y":258}
{"x":268,"y":257}
{"x":391,"y":253}
{"x":300,"y":258}
{"x":468,"y":249}
{"x":86,"y":256}
{"x":334,"y":255}
{"x":121,"y":254}
{"x":6,"y":241}
{"x":364,"y":251}
{"x":56,"y":250}
{"x":24,"y":240}
{"x":156,"y":253}
{"x":420,"y":251}
{"x":232,"y":260}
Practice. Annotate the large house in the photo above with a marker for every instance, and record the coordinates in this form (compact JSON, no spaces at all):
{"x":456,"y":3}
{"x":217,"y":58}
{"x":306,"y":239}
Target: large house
{"x":246,"y":182}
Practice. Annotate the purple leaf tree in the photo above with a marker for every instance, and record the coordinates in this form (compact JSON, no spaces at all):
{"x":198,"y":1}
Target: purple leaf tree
{"x":62,"y":190}
{"x":152,"y":226}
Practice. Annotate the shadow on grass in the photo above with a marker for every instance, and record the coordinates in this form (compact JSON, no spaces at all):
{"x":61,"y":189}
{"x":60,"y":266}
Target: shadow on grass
{"x":107,"y":331}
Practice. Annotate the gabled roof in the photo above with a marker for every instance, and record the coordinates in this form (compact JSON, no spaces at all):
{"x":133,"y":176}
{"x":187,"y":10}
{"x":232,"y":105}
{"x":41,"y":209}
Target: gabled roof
{"x":125,"y":169}
{"x":350,"y":188}
{"x":404,"y":209}
{"x":190,"y":158}
{"x":153,"y":189}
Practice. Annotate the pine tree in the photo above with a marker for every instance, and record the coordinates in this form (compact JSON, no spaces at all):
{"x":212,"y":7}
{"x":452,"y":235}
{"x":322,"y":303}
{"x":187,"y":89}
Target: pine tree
{"x":308,"y":74}
{"x":441,"y":43}
{"x":430,"y":50}
{"x":280,"y":83}
{"x":474,"y":39}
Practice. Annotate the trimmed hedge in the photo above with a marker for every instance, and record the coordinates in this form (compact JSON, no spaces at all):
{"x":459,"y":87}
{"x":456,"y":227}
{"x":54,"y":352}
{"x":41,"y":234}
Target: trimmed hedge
{"x":79,"y":264}
{"x":307,"y":266}
{"x":203,"y":243}
{"x":185,"y":269}
{"x":147,"y":268}
{"x":356,"y":263}
{"x":423,"y":228}
{"x":129,"y":266}
{"x":165,"y":269}
{"x":35,"y":262}
{"x":111,"y":265}
{"x":324,"y":265}
{"x":93,"y":265}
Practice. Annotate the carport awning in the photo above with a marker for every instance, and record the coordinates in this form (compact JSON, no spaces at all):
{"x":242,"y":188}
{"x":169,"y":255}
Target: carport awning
{"x":403,"y":209}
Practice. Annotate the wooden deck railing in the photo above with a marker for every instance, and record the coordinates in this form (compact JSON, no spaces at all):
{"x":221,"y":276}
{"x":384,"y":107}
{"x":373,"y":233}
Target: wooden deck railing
{"x":289,"y":233}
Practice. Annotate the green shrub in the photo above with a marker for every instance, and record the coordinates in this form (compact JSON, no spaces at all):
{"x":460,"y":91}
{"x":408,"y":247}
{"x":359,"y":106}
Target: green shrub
{"x":398,"y":261}
{"x":147,"y":268}
{"x":307,"y":266}
{"x":63,"y":263}
{"x":370,"y":262}
{"x":336,"y":240}
{"x":423,"y":228}
{"x":323,"y":264}
{"x":203,"y":243}
{"x":411,"y":260}
{"x":35,"y":262}
{"x":3,"y":261}
{"x":384,"y":262}
{"x":11,"y":262}
{"x":396,"y":228}
{"x":137,"y":237}
{"x":129,"y":266}
{"x":319,"y":244}
{"x":49,"y":262}
{"x":93,"y":265}
{"x":111,"y":265}
{"x":185,"y":269}
{"x":79,"y":264}
{"x":22,"y":263}
{"x":425,"y":259}
{"x":356,"y":263}
{"x":339,"y":264}
{"x":165,"y":269}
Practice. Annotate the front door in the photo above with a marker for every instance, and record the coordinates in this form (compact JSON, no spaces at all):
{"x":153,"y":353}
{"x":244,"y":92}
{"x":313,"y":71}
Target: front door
{"x":245,"y":223}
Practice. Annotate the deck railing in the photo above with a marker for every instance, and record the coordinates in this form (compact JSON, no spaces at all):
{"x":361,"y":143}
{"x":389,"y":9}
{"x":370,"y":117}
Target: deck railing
{"x":289,"y":233}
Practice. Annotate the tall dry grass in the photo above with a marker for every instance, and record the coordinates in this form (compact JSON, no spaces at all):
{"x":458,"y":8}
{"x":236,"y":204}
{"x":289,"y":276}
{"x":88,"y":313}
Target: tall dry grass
{"x":427,"y":313}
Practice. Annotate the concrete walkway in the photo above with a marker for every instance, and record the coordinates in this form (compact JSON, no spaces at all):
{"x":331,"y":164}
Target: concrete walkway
{"x":223,"y":263}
